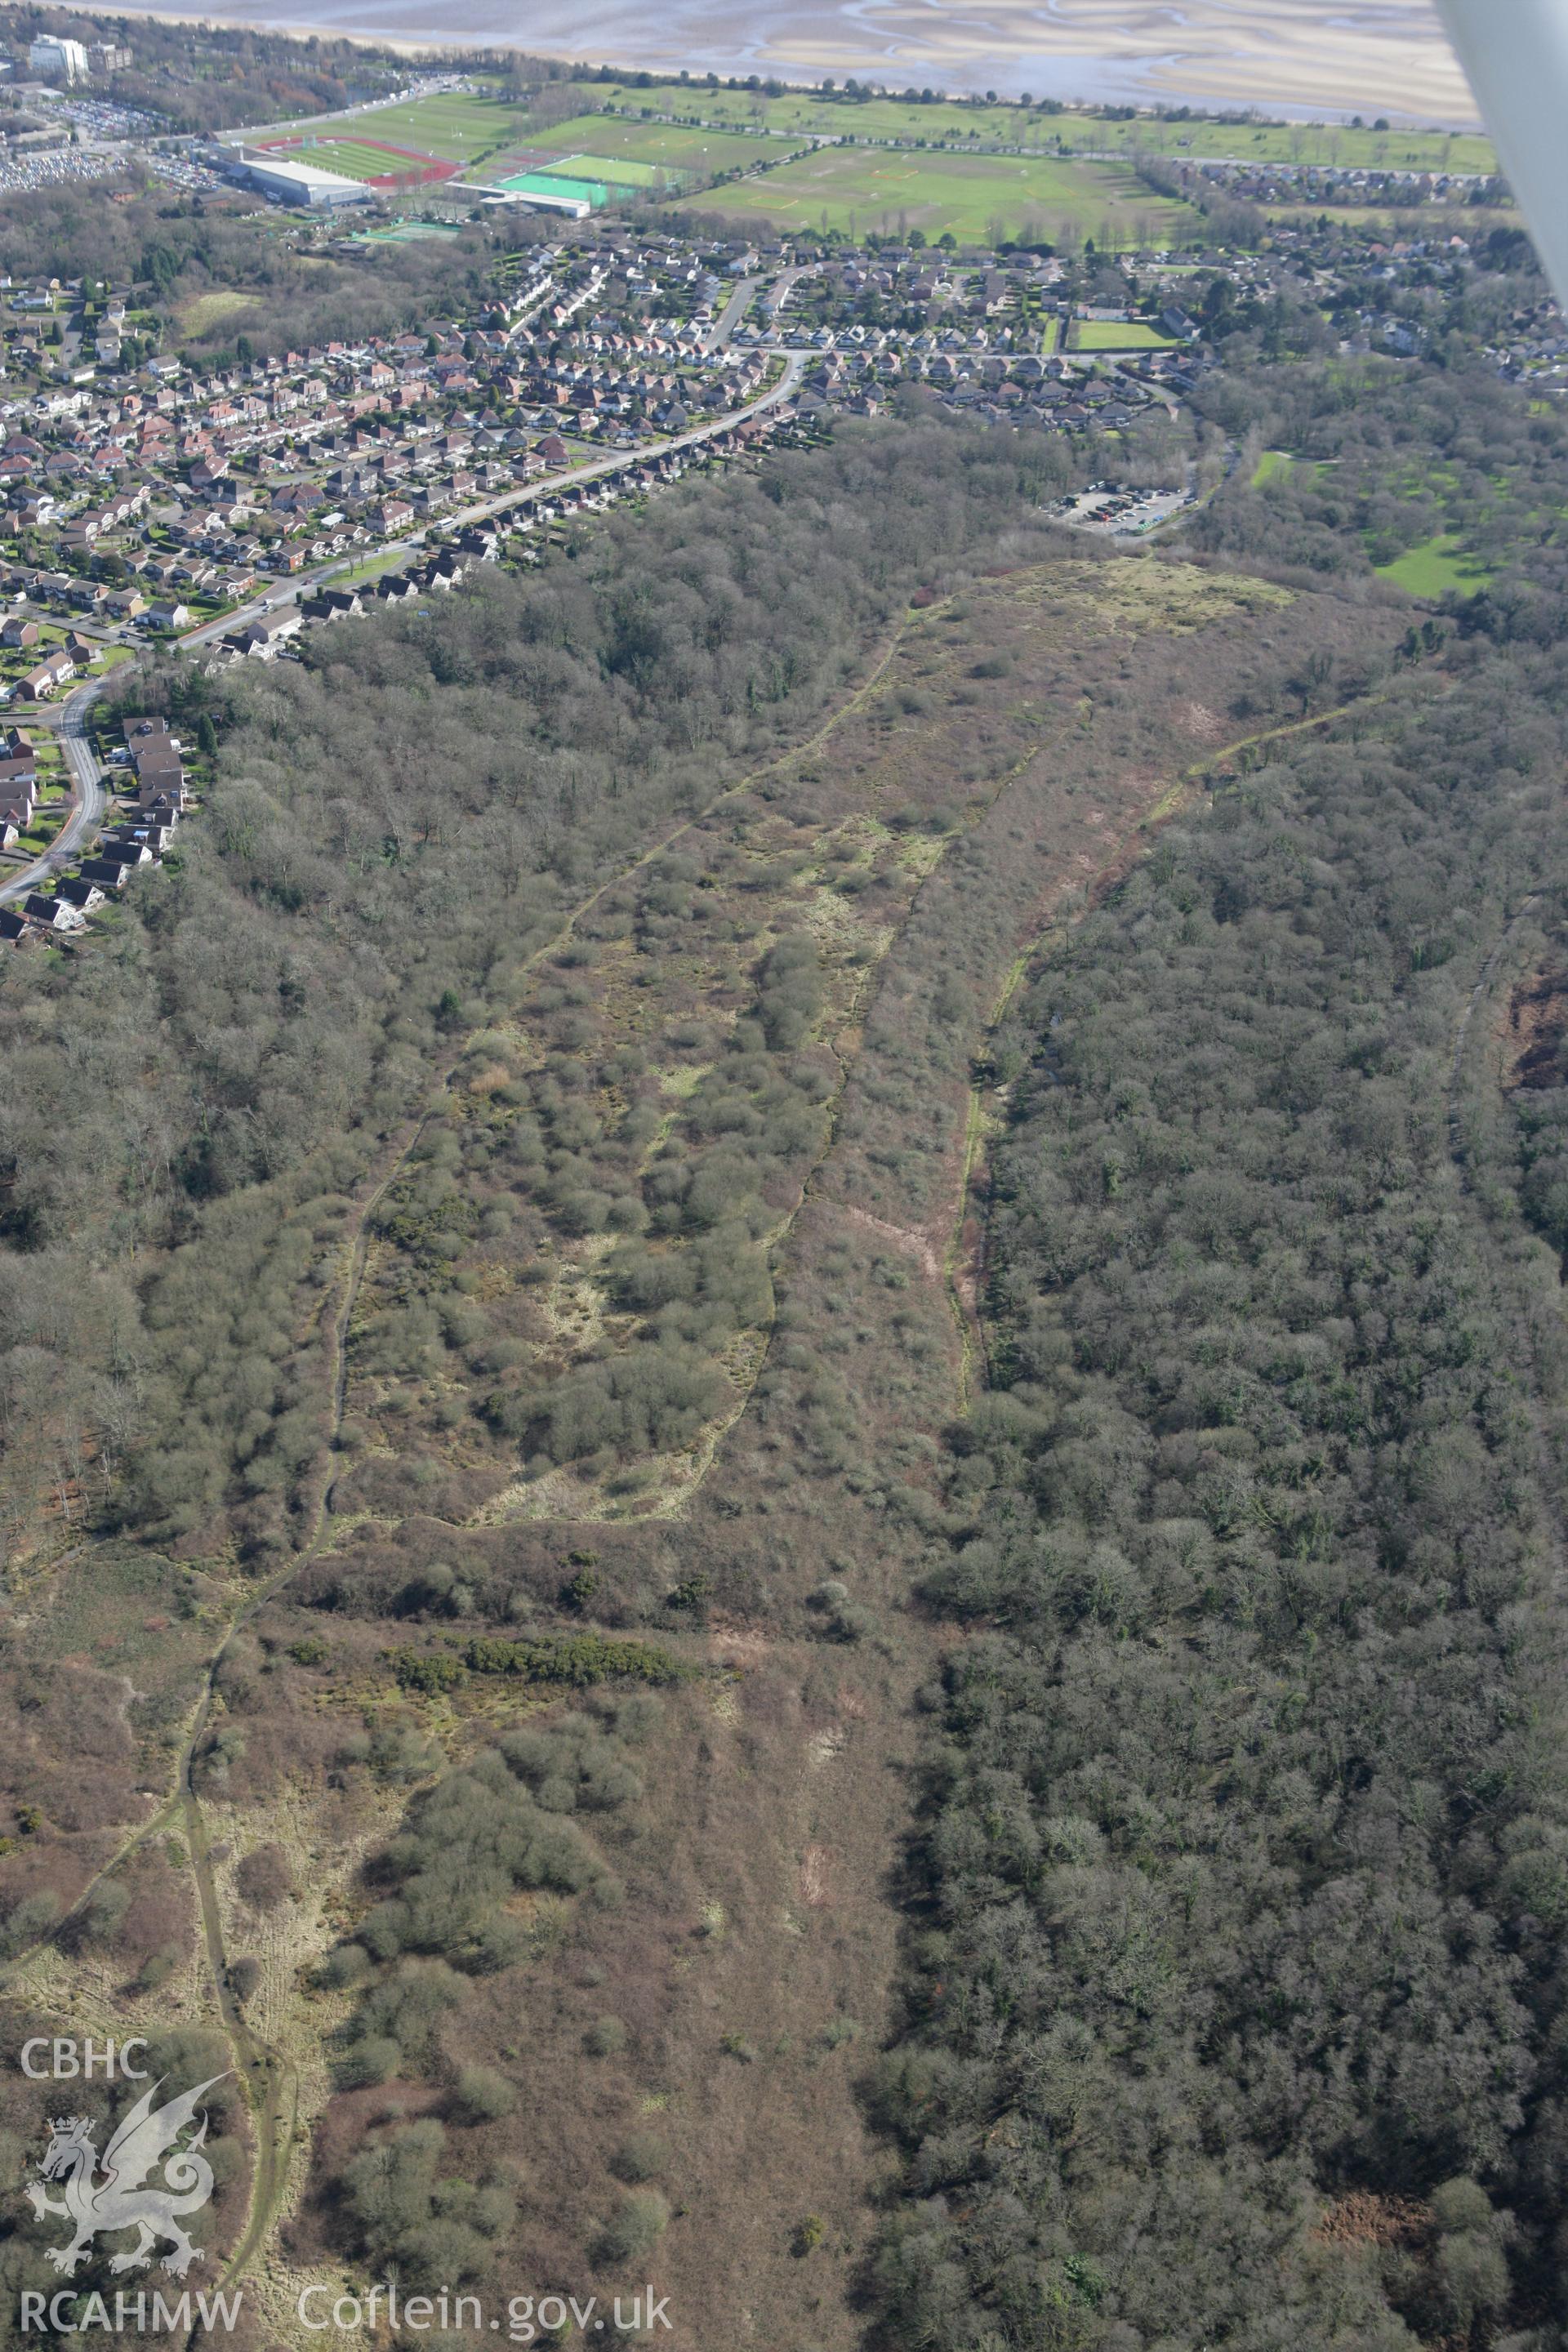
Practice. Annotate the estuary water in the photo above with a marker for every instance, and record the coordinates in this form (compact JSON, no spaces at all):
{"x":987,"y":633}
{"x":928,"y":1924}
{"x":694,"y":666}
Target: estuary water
{"x":1292,"y":56}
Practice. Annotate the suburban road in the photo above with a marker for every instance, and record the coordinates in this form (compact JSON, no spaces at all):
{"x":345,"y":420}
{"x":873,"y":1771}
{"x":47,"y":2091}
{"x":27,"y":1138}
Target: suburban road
{"x":409,"y":543}
{"x":733,"y":313}
{"x":69,"y":719}
{"x":69,"y":724}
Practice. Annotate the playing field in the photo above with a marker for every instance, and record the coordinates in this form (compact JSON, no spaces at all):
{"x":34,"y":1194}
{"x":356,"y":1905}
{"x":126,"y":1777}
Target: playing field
{"x":1114,"y":335}
{"x":455,"y":127}
{"x":351,"y":159}
{"x":614,"y":168}
{"x":1309,"y":144}
{"x":1207,"y":137}
{"x":980,"y":198}
{"x":674,"y":148}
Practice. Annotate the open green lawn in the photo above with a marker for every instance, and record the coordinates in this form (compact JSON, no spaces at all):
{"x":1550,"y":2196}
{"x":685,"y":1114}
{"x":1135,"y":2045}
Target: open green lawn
{"x":369,"y":567}
{"x":1434,"y":567}
{"x":1271,"y":465}
{"x":1293,"y":143}
{"x":1476,"y":221}
{"x":403,"y":232}
{"x":801,"y":111}
{"x":977,"y":198}
{"x":1111,"y":335}
{"x":1320,"y":143}
{"x":202,"y":313}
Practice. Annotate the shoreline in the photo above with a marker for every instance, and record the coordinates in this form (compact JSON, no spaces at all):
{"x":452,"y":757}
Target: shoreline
{"x":1293,"y":85}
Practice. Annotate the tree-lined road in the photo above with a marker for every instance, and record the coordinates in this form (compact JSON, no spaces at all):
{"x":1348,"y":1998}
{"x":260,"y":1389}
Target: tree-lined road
{"x":69,"y":719}
{"x":592,"y":471}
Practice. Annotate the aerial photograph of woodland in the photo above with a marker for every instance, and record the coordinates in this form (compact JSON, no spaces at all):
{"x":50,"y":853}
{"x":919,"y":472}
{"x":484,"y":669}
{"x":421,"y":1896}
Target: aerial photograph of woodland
{"x":783,"y":1180}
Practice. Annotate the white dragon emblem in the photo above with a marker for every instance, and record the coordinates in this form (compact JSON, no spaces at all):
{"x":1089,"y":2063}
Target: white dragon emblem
{"x":118,"y":2201}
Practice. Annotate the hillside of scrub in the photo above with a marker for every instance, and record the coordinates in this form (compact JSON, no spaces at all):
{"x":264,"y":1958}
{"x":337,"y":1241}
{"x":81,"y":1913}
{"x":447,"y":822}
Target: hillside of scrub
{"x":684,"y":1998}
{"x":744,"y":1958}
{"x":568,"y":1287}
{"x":533,"y":1476}
{"x":398,"y":833}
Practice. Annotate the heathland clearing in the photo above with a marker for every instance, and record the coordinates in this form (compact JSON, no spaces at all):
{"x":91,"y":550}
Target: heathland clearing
{"x":1434,"y":567}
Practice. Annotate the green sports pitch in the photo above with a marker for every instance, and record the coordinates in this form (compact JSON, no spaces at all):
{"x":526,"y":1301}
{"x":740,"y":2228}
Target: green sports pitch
{"x":1191,"y":137}
{"x":555,"y":184}
{"x":454,"y":127}
{"x":978,"y":198}
{"x":347,"y":158}
{"x":614,"y":168}
{"x":670,"y":147}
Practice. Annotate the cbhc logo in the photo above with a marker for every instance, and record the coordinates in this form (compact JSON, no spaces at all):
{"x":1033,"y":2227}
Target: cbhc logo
{"x":70,"y":2059}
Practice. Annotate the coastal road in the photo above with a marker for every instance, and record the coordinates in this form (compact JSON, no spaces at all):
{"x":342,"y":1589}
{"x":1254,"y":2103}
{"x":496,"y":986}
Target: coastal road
{"x":69,"y":724}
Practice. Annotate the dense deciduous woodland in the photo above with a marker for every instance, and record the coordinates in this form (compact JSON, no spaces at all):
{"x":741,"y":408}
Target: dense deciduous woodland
{"x":1242,"y":1860}
{"x":293,"y":299}
{"x":1385,"y":457}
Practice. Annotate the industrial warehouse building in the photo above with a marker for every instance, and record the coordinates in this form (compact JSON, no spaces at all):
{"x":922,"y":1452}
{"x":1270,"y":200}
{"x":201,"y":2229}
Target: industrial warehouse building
{"x":297,"y":184}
